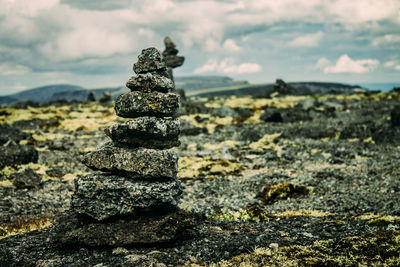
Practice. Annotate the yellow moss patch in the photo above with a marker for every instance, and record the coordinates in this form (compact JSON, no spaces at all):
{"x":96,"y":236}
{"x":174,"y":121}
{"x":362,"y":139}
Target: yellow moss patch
{"x":304,"y":213}
{"x":6,"y":183}
{"x":266,"y":142}
{"x":229,"y":143}
{"x":257,"y":103}
{"x":240,"y":216}
{"x":282,"y":191}
{"x":192,"y":167}
{"x":72,"y":176}
{"x":207,"y":121}
{"x":373,"y":249}
{"x":23,"y":226}
{"x":83,"y":117}
{"x":43,"y":136}
{"x":256,"y":214}
{"x":44,"y":113}
{"x":378,"y":219}
{"x":38,"y":168}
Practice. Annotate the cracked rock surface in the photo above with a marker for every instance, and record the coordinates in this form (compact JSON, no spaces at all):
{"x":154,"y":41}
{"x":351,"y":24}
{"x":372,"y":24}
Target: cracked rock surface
{"x":103,"y":196}
{"x":133,"y":162}
{"x":147,"y":132}
{"x":139,"y":104}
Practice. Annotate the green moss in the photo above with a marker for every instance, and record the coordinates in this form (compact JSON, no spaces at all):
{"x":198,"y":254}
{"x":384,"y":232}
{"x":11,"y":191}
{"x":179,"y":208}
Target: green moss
{"x":23,"y":226}
{"x":373,"y":249}
{"x":282,"y":191}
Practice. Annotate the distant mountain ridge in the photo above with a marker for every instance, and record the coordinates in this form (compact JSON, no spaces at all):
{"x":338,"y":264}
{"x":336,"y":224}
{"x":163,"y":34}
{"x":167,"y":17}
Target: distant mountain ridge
{"x":58,"y":92}
{"x":193,"y":86}
{"x":39,"y":94}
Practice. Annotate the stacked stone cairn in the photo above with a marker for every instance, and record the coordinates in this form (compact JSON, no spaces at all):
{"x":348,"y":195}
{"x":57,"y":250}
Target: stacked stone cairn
{"x":170,"y":56}
{"x":133,"y":200}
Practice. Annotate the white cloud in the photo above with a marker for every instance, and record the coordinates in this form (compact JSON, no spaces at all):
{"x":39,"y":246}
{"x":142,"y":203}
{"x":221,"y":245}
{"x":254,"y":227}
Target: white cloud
{"x":347,"y":65}
{"x":308,"y":40}
{"x":322,"y":62}
{"x":231,"y":46}
{"x":228,"y":66}
{"x":387,"y":39}
{"x":389,"y":64}
{"x":397,"y":67}
{"x":12,"y":69}
{"x":19,"y":87}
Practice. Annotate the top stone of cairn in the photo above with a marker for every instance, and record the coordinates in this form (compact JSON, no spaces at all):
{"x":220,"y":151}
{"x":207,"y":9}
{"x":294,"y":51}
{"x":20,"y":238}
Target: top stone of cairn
{"x":149,"y":60}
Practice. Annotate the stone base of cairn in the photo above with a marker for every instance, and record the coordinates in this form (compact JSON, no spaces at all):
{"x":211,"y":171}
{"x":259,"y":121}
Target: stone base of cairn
{"x":133,"y":200}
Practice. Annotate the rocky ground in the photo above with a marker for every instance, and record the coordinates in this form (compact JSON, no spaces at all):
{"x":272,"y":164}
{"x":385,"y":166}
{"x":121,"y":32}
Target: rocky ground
{"x":287,"y":180}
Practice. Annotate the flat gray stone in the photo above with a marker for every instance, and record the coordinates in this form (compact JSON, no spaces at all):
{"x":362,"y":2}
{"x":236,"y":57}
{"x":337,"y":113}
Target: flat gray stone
{"x":148,"y":82}
{"x":25,"y":178}
{"x":149,"y":60}
{"x":136,"y":162}
{"x":158,"y":228}
{"x":139,"y":104}
{"x":173,"y":61}
{"x":103,"y":196}
{"x":149,"y":132}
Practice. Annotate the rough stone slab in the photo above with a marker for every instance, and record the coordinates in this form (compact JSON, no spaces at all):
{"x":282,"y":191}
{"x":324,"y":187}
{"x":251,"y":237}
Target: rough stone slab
{"x":149,"y":60}
{"x":148,"y":82}
{"x":103,"y":196}
{"x":133,"y":162}
{"x":174,"y":61}
{"x":12,"y":153}
{"x":150,"y":132}
{"x":139,"y":104}
{"x":158,"y":228}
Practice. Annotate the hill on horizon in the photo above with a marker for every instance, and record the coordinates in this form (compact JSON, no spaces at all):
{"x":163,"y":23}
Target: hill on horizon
{"x":193,"y":86}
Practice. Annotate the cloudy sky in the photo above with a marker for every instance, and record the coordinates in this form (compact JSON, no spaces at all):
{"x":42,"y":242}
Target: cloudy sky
{"x":94,"y":43}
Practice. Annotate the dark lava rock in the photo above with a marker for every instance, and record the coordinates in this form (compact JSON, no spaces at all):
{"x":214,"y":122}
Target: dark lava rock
{"x":37,"y":124}
{"x":192,"y":107}
{"x":285,"y":115}
{"x":8,"y":132}
{"x":106,"y":98}
{"x":188,"y":129}
{"x":271,"y":116}
{"x":133,"y":162}
{"x":147,"y":132}
{"x":103,"y":196}
{"x":395,"y":116}
{"x":25,"y":178}
{"x":170,"y":54}
{"x":224,"y":111}
{"x":138,"y":104}
{"x":148,"y":82}
{"x":90,"y":97}
{"x":157,"y":227}
{"x":12,"y":153}
{"x":283,"y":88}
{"x":174,"y":61}
{"x":149,"y":60}
{"x":244,"y":112}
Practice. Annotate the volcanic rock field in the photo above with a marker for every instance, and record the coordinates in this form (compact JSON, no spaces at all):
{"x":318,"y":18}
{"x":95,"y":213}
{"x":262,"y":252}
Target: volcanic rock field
{"x":283,"y":180}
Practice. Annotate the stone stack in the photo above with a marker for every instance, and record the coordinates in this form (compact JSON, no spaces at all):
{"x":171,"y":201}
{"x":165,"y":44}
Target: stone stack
{"x":134,"y":200}
{"x":170,"y":56}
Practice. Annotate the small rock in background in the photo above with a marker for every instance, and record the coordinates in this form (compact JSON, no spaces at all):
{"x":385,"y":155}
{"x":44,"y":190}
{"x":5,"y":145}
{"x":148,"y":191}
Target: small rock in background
{"x":395,"y":116}
{"x":25,"y":178}
{"x":90,"y":97}
{"x":224,"y":111}
{"x":13,"y":153}
{"x":106,"y":98}
{"x":189,"y":129}
{"x":8,"y":132}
